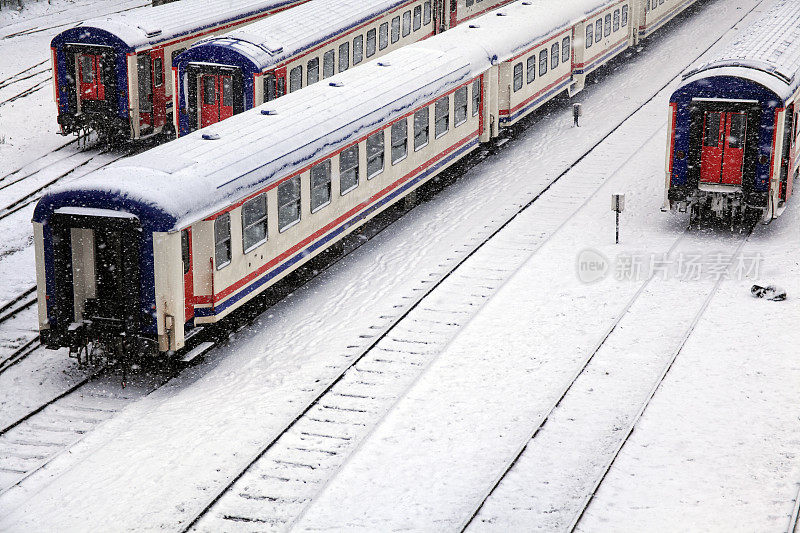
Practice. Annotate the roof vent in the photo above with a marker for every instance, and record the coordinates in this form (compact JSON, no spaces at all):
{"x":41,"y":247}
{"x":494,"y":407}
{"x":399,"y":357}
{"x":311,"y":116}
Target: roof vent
{"x":526,"y":3}
{"x":384,"y":64}
{"x":150,"y":31}
{"x":501,"y":14}
{"x":473,"y":26}
{"x":211,"y":136}
{"x":269,"y":112}
{"x":273,"y":47}
{"x":336,"y":84}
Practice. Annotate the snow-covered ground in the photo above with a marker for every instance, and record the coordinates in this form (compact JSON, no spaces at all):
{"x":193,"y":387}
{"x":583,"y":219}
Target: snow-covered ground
{"x":715,"y":450}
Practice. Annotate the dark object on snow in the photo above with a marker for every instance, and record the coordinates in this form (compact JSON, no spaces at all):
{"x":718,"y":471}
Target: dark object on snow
{"x":770,"y":292}
{"x":577,"y":111}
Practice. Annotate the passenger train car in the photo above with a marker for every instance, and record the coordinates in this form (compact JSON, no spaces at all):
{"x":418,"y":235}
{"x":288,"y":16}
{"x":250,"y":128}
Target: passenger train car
{"x":227,"y":74}
{"x":733,"y":130}
{"x":141,"y":253}
{"x":112,"y":74}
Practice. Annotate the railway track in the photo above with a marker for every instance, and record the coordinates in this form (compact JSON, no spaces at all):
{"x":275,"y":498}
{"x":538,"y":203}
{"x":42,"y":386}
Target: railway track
{"x":524,"y":463}
{"x":794,"y":518}
{"x":9,"y":311}
{"x":39,"y":29}
{"x":38,"y":86}
{"x":273,"y":488}
{"x":33,"y":441}
{"x":82,"y":164}
{"x":24,"y":74}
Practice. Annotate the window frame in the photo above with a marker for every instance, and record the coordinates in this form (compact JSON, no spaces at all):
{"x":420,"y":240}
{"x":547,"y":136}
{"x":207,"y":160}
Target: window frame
{"x":358,"y":49}
{"x":217,"y":242}
{"x":377,"y":153}
{"x":395,"y":34}
{"x":530,"y":69}
{"x":589,"y":41}
{"x":465,"y":95}
{"x":383,"y":36}
{"x":624,"y":15}
{"x":158,"y":69}
{"x":296,"y":75}
{"x":427,"y":13}
{"x":419,"y":145}
{"x":598,"y":30}
{"x":417,"y":19}
{"x":329,"y":55}
{"x":517,"y":77}
{"x":566,"y":50}
{"x":372,"y":36}
{"x":342,"y":170}
{"x":263,"y":220}
{"x":445,"y":118}
{"x":406,"y":23}
{"x":543,"y":62}
{"x":344,"y":57}
{"x":327,"y":167}
{"x":298,"y":200}
{"x":477,"y":96}
{"x":555,"y":55}
{"x":607,"y":25}
{"x":397,"y":126}
{"x":309,"y":70}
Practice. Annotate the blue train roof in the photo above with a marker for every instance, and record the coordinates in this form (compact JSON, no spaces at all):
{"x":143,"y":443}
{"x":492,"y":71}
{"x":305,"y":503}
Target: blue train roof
{"x":151,"y":25}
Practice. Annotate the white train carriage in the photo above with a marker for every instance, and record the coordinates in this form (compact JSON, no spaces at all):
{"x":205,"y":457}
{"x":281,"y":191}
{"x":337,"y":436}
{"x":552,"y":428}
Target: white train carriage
{"x":733,"y":145}
{"x":231,"y":73}
{"x":112,"y":74}
{"x":144,"y":251}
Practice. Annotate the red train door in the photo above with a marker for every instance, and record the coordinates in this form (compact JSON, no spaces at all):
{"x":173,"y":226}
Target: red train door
{"x":188,"y":276}
{"x":158,"y":89}
{"x":91,"y":77}
{"x":216,"y":97}
{"x":453,"y":13}
{"x":722,"y":156}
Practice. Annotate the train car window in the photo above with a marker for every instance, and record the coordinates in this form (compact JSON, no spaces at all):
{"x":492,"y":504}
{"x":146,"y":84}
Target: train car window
{"x":254,"y":222}
{"x":426,"y":13}
{"x":269,"y":87}
{"x":281,"y":89}
{"x":327,"y":64}
{"x":209,"y":90}
{"x":296,"y":78}
{"x":589,"y":36}
{"x":453,"y":6}
{"x":312,"y":71}
{"x":607,"y":25}
{"x":417,"y":18}
{"x":320,"y":185}
{"x":421,"y":128}
{"x":185,"y":256}
{"x":406,"y":23}
{"x":399,"y":141}
{"x":358,"y":50}
{"x":738,"y":123}
{"x":660,"y":2}
{"x":344,"y":56}
{"x":624,"y":16}
{"x":222,"y":240}
{"x":565,"y":50}
{"x":348,"y":169}
{"x":616,"y":19}
{"x":395,"y":29}
{"x":518,"y":76}
{"x":711,"y":137}
{"x":531,"y":68}
{"x":383,"y":36}
{"x":598,"y":30}
{"x":460,"y":107}
{"x":554,"y":56}
{"x":158,"y":70}
{"x":654,"y":4}
{"x":288,"y":203}
{"x":476,"y":96}
{"x":542,"y":63}
{"x":441,"y":116}
{"x":470,"y":3}
{"x":87,"y":69}
{"x":375,"y":155}
{"x":227,"y":91}
{"x":372,"y":45}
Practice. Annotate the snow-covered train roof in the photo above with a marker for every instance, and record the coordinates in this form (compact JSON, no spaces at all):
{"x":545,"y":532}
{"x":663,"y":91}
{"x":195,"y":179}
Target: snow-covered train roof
{"x":771,"y":44}
{"x":191,"y":178}
{"x":518,"y":26}
{"x":152,"y":25}
{"x":273,"y":40}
